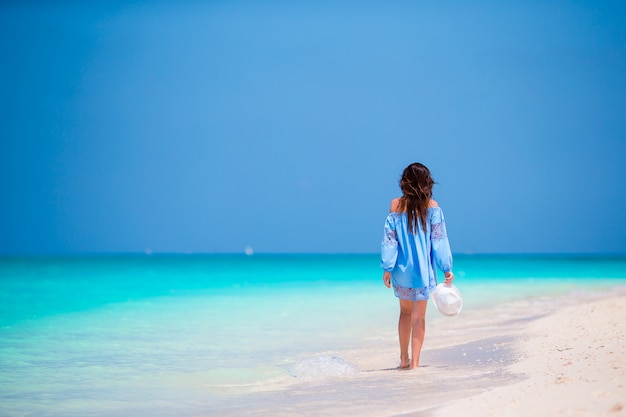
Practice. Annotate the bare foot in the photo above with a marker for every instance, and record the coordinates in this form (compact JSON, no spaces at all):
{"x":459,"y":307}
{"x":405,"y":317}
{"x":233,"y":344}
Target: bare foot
{"x":404,"y":363}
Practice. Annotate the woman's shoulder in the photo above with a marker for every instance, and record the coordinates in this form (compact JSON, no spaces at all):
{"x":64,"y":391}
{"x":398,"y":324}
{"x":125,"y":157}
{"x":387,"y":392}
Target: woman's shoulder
{"x":395,"y":205}
{"x":434,"y":212}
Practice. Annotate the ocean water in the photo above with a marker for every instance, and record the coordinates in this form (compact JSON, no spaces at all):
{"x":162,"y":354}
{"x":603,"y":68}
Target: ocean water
{"x":283,"y":335}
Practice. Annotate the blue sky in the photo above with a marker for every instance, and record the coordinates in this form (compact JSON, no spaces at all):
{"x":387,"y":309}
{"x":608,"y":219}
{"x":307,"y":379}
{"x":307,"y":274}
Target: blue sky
{"x":284,"y":126}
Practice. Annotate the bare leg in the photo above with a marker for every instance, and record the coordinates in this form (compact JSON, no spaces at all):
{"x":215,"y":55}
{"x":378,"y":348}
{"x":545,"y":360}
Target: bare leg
{"x":404,"y":331}
{"x":418,"y":329}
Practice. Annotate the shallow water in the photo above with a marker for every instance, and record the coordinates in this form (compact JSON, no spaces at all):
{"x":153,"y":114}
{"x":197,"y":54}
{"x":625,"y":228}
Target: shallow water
{"x":258,"y":335}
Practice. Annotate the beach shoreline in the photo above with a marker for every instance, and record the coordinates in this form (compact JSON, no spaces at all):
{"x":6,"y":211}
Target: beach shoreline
{"x":517,"y":358}
{"x":571,"y":362}
{"x":74,"y":342}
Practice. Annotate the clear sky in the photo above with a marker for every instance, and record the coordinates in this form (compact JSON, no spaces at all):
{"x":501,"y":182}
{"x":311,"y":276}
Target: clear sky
{"x":210,"y":126}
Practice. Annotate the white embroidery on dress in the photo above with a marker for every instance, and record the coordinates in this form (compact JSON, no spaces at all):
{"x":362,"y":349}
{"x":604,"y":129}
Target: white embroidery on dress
{"x":390,"y":238}
{"x":438,"y":231}
{"x":411,"y":293}
{"x":414,"y":294}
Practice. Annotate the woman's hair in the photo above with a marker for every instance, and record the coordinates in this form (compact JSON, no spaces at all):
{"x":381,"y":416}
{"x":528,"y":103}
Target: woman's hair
{"x":417,"y":190}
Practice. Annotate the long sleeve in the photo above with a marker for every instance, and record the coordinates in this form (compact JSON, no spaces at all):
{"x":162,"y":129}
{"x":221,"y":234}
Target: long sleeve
{"x":389,"y":246}
{"x":441,"y":253}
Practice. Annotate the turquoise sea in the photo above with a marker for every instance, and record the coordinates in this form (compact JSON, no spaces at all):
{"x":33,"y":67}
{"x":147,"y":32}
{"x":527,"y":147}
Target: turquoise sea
{"x":283,"y":335}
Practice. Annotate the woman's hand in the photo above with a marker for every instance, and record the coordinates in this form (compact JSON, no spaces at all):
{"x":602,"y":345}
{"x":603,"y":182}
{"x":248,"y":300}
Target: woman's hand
{"x":449,"y":278}
{"x":387,"y":279}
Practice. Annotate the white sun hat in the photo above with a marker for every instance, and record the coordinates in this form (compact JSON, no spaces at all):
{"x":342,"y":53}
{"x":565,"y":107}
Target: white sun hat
{"x":447,"y":299}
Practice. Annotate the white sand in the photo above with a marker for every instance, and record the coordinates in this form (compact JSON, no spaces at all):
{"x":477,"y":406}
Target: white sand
{"x":575,"y":365}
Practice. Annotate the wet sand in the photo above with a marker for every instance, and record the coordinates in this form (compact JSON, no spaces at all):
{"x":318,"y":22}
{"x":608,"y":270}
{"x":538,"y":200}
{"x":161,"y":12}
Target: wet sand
{"x":542,"y":356}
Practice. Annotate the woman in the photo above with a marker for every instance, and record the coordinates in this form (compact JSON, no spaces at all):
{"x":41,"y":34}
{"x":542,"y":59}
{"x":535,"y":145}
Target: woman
{"x":415,"y":244}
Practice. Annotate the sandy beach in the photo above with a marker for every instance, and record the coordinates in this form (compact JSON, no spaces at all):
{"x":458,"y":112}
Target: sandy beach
{"x":572,"y":362}
{"x":560,"y":355}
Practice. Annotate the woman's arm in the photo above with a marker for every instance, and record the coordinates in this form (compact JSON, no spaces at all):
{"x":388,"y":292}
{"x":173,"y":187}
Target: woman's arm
{"x":389,"y":245}
{"x":440,"y":249}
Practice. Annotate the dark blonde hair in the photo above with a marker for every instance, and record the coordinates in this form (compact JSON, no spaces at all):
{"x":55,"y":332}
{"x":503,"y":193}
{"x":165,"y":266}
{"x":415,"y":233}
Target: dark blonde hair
{"x":417,"y":190}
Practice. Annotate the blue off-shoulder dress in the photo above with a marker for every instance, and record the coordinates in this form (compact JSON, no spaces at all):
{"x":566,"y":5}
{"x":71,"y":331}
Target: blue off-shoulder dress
{"x":413,"y":258}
